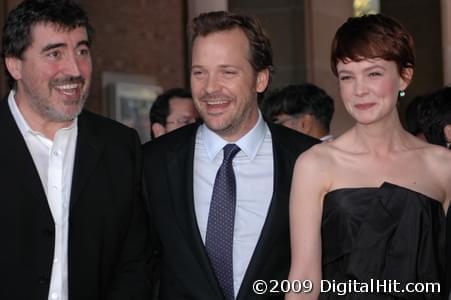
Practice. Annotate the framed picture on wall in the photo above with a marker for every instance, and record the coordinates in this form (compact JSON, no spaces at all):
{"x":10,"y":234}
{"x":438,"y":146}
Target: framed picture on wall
{"x":129,"y":104}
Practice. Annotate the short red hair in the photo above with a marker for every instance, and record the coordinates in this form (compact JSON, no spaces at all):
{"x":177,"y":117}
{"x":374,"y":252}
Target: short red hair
{"x":373,"y":36}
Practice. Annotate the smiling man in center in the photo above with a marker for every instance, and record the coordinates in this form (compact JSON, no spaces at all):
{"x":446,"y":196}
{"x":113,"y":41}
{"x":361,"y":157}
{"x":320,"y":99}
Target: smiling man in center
{"x":218,"y":192}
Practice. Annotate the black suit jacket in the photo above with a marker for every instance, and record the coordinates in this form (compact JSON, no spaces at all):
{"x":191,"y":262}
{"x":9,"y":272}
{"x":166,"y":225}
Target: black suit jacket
{"x":185,"y":268}
{"x":447,"y":294}
{"x":108,"y":232}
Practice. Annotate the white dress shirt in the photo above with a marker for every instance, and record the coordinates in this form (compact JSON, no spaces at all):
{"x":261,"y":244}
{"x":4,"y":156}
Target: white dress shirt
{"x":253,"y":167}
{"x":327,"y":138}
{"x":54,"y":161}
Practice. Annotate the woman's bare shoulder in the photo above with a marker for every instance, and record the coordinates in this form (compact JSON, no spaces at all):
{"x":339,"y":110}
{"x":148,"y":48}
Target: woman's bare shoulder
{"x":318,"y":154}
{"x":437,"y":155}
{"x":317,"y":165}
{"x":439,"y":159}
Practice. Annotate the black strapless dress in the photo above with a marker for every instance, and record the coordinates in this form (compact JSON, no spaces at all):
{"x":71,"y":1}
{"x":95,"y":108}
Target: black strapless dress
{"x":385,"y":233}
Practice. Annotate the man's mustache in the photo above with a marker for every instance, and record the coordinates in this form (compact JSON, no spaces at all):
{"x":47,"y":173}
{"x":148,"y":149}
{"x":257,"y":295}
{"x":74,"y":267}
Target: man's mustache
{"x":68,"y":80}
{"x":215,"y":96}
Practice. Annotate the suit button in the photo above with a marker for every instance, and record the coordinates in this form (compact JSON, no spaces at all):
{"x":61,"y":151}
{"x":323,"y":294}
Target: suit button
{"x":43,"y":280}
{"x":48,"y":232}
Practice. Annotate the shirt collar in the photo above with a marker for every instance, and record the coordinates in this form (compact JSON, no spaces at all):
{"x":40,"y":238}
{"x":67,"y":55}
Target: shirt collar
{"x":327,"y":138}
{"x":249,"y":143}
{"x":20,"y":120}
{"x":24,"y":128}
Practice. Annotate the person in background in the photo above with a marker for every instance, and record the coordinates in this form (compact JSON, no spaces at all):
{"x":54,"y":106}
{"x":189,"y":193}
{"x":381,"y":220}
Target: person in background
{"x":370,"y":205}
{"x":171,"y":110}
{"x":412,"y":118}
{"x":218,"y":191}
{"x":304,"y":107}
{"x":72,"y":220}
{"x":434,"y":115}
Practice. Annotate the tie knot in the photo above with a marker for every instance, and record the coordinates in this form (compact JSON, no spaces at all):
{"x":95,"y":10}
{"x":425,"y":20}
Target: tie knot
{"x":230,"y":150}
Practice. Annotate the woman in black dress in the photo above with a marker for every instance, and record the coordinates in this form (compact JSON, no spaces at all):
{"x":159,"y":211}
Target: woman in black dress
{"x":370,"y":205}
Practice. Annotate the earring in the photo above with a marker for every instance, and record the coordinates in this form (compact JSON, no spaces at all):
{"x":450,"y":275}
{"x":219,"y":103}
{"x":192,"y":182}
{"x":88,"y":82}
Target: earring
{"x":448,"y":145}
{"x":402,"y":93}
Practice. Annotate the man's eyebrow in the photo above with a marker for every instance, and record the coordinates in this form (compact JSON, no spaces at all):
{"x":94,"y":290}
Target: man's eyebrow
{"x":84,"y":43}
{"x":374,"y":67}
{"x":61,"y":45}
{"x":53,"y":46}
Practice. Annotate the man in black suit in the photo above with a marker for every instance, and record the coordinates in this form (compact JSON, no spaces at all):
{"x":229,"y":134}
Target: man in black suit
{"x":221,"y":220}
{"x":72,"y":221}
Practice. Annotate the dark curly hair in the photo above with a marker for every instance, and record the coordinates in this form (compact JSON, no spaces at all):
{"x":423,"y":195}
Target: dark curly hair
{"x":435,"y":114}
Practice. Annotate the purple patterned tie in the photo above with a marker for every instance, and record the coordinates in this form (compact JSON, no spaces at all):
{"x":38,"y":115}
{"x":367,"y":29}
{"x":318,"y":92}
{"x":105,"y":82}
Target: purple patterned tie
{"x":221,"y":220}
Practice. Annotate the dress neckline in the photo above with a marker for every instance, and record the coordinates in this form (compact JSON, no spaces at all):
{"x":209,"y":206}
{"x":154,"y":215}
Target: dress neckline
{"x":384,"y":185}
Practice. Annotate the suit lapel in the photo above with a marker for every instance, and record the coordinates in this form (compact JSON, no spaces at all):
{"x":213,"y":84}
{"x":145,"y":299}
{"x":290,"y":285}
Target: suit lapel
{"x":180,"y":173}
{"x":18,"y":160}
{"x":276,"y":220}
{"x":87,"y":154}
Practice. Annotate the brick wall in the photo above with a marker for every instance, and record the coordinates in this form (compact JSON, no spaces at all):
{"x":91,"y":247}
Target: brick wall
{"x":137,"y":37}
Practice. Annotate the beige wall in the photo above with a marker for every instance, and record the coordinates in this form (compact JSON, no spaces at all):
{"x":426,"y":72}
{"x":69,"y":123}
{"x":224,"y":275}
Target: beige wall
{"x":324,"y":17}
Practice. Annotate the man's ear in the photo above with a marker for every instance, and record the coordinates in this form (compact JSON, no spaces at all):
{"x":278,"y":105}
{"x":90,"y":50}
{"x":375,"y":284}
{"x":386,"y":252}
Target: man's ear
{"x":305,"y":123}
{"x":262,"y":80}
{"x":158,"y":129}
{"x":447,"y":133}
{"x":14,"y":66}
